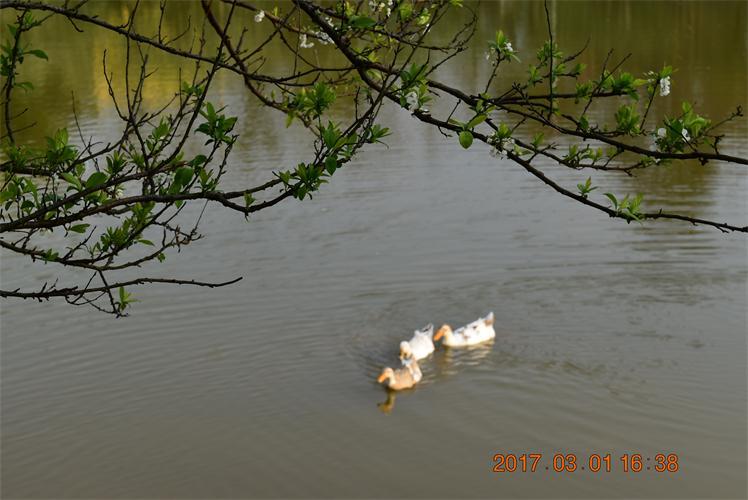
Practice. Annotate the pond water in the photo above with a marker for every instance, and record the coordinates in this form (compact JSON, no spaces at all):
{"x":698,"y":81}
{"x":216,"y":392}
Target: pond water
{"x":611,"y":338}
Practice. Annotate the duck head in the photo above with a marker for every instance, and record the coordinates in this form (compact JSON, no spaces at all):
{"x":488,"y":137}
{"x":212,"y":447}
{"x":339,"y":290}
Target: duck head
{"x":387,"y":374}
{"x":443,"y":331}
{"x":405,"y":350}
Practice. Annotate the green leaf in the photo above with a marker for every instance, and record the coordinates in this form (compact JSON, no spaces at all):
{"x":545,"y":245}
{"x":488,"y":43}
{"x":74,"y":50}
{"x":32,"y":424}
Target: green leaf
{"x":210,"y":112}
{"x":79,"y":228}
{"x":123,"y":298}
{"x":331,"y":164}
{"x":161,"y":131}
{"x":624,"y":203}
{"x":466,"y":139}
{"x":362,"y":22}
{"x":636,"y":201}
{"x":198,"y":160}
{"x":584,"y":124}
{"x":71,"y":179}
{"x":7,"y":195}
{"x":330,"y":135}
{"x":50,"y":255}
{"x":38,"y":53}
{"x":96,"y":180}
{"x":61,"y":137}
{"x":376,"y":133}
{"x":406,"y":10}
{"x":612,"y":198}
{"x":183,"y":176}
{"x":476,"y":121}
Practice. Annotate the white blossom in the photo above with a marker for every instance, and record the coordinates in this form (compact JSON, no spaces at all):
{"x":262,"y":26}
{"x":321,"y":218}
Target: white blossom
{"x":665,"y":86}
{"x":495,"y":54}
{"x":260,"y":16}
{"x":323,"y":37}
{"x":501,"y":147}
{"x":685,"y":135}
{"x":411,"y":98}
{"x":382,"y":6}
{"x":661,"y":133}
{"x":303,"y":43}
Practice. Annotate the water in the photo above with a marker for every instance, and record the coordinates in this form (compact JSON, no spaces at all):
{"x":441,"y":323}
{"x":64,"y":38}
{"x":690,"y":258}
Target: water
{"x":611,"y":338}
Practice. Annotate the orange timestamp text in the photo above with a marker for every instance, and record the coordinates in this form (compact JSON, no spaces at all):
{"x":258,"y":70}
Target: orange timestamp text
{"x":594,"y":462}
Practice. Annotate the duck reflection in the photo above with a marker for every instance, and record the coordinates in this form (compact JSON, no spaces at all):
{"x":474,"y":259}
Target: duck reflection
{"x":452,"y":360}
{"x":387,"y":405}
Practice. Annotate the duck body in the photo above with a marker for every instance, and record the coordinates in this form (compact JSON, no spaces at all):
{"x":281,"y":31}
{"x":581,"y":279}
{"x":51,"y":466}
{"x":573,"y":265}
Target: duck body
{"x":420,"y":346}
{"x":477,"y":332}
{"x":402,"y":378}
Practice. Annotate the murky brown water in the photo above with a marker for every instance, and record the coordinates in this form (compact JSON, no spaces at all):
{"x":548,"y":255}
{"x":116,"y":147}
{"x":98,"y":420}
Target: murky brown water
{"x":612,"y":338}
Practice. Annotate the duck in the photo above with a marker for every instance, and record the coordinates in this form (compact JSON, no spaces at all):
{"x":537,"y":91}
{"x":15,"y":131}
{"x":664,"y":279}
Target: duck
{"x":402,"y":378}
{"x":420,"y":346}
{"x":477,"y":332}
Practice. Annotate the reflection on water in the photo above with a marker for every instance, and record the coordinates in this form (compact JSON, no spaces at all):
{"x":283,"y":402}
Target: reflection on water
{"x":452,"y":360}
{"x":388,"y":404}
{"x":609,"y":336}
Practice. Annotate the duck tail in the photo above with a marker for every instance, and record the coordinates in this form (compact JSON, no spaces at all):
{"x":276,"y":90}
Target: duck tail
{"x":489,"y":319}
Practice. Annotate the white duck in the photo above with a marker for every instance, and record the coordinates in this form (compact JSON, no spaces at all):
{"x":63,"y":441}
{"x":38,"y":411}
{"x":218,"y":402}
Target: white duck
{"x":420,"y":346}
{"x":480,"y":330}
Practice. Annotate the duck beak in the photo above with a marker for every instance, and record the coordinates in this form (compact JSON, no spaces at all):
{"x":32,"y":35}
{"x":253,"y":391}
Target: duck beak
{"x":382,"y":378}
{"x":439,"y":334}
